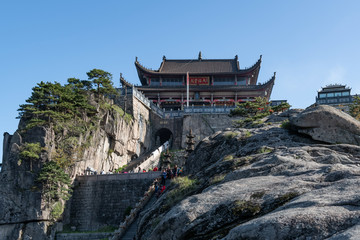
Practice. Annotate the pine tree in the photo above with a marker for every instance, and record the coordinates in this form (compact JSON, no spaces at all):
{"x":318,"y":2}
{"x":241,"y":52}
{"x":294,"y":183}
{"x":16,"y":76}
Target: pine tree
{"x":102,"y":81}
{"x":55,"y":182}
{"x":355,"y":108}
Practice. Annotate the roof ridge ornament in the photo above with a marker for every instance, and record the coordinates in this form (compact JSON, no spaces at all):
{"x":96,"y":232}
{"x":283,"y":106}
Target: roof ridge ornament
{"x":200,"y":57}
{"x":236,"y":57}
{"x":164,"y":58}
{"x":123,"y":82}
{"x":136,"y":59}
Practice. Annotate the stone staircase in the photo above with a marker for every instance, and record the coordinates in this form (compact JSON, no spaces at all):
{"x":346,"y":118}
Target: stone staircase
{"x":131,"y":230}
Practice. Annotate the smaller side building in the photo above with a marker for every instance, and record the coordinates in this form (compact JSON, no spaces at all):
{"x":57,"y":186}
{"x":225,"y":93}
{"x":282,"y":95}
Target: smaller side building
{"x":335,"y":95}
{"x":274,"y":103}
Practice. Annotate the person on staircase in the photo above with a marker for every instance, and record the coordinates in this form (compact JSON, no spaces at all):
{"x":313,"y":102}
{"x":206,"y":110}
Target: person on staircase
{"x":163,"y":177}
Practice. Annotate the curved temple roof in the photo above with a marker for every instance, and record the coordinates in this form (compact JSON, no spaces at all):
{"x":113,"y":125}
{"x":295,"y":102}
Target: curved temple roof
{"x":200,"y":66}
{"x":197,"y":66}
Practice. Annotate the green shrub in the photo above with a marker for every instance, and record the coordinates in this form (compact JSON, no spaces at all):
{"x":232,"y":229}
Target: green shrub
{"x":127,"y":117}
{"x":246,"y":208}
{"x":258,"y":194}
{"x":247,"y":134}
{"x":257,"y":123}
{"x":228,"y":157}
{"x":118,"y":109}
{"x":183,"y":186}
{"x":230,"y":135}
{"x":281,"y":200}
{"x":55,"y":182}
{"x":30,"y":151}
{"x":239,"y":123}
{"x":57,"y":210}
{"x":217,"y":178}
{"x":285,"y":124}
{"x":260,"y":105}
{"x":265,"y":149}
{"x":120,"y":169}
{"x":260,"y":115}
{"x":127,"y":211}
{"x":242,"y":161}
{"x":34,"y":123}
{"x":255,"y":110}
{"x":282,"y":107}
{"x":238,"y":111}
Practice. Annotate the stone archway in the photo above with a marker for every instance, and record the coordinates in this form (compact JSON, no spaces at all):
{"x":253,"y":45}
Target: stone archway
{"x":162,"y":135}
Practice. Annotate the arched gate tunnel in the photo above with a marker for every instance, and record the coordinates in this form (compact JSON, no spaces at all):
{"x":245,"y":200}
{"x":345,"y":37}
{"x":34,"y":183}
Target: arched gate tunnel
{"x":163,"y":135}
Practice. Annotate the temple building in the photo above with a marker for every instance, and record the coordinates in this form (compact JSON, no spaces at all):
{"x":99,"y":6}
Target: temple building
{"x":212,"y":82}
{"x":336,"y":95}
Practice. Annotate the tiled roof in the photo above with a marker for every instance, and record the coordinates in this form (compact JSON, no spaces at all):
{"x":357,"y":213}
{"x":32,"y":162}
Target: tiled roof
{"x":202,"y":66}
{"x":199,"y":66}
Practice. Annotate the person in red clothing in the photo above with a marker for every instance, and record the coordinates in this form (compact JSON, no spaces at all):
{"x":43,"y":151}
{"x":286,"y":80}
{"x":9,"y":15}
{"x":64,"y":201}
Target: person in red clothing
{"x":144,"y":170}
{"x":162,"y":189}
{"x":155,"y":169}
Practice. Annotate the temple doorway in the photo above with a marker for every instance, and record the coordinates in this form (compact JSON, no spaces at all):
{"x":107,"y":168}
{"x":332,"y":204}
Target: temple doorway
{"x":163,"y":135}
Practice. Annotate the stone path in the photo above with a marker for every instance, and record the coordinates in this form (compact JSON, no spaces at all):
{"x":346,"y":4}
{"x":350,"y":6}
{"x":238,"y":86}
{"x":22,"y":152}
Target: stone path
{"x":134,"y":163}
{"x":131,"y":231}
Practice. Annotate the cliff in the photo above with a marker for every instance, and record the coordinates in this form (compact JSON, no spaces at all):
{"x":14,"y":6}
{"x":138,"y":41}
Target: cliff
{"x":270,"y":181}
{"x":107,"y":144}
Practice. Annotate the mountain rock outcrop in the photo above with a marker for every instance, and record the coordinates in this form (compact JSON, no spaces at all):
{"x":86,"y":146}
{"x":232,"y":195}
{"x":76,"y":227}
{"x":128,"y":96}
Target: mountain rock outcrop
{"x":24,"y":213}
{"x":327,"y":124}
{"x":267,"y":182}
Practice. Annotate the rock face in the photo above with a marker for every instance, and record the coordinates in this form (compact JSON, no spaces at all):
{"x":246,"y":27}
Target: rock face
{"x":328,"y":124}
{"x":23,"y":212}
{"x":262,"y":183}
{"x":203,"y":125}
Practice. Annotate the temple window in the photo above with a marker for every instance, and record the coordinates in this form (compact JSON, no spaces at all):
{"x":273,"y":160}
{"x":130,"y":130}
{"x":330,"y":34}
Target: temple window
{"x":241,"y":81}
{"x":330,"y":95}
{"x":224,"y":81}
{"x":155,"y":82}
{"x":322,"y":95}
{"x":171,"y":82}
{"x":338,"y":94}
{"x":345,"y":93}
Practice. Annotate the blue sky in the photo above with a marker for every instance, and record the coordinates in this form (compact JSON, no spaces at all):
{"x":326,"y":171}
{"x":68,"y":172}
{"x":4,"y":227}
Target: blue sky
{"x":308,"y":43}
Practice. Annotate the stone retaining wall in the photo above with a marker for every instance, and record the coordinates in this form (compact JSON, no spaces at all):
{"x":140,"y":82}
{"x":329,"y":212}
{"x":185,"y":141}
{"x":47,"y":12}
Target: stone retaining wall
{"x":101,"y":200}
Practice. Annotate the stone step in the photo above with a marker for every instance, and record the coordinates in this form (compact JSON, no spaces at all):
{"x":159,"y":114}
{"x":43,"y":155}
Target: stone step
{"x":83,"y":236}
{"x":132,"y":229}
